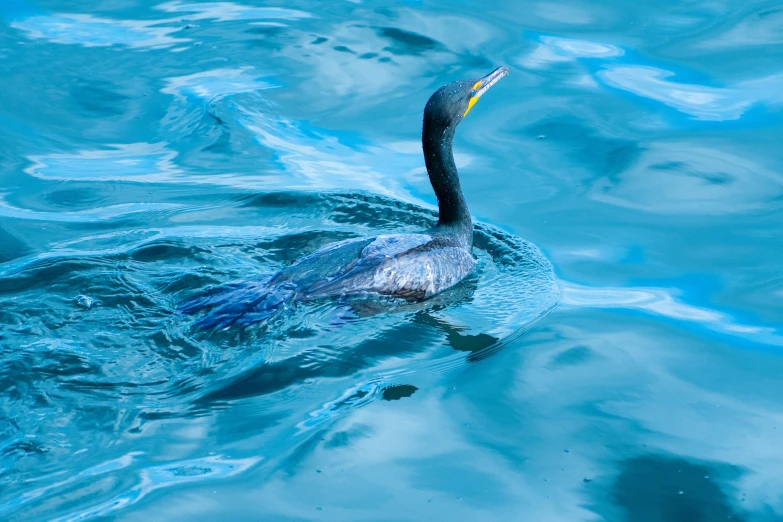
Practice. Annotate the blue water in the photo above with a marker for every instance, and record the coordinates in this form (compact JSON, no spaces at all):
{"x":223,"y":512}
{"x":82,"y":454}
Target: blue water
{"x":617,"y":355}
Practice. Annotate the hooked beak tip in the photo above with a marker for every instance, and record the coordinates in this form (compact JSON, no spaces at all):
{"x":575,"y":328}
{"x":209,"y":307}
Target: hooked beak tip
{"x":483,"y":86}
{"x":492,"y":78}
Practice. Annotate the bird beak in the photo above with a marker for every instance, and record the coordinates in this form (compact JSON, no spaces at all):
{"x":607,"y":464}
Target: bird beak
{"x":483,"y":86}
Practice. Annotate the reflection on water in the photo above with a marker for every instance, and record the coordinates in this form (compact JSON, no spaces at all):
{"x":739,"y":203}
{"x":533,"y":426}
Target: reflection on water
{"x":91,"y":31}
{"x":151,"y":151}
{"x":658,"y":301}
{"x":688,"y":177}
{"x":702,"y":102}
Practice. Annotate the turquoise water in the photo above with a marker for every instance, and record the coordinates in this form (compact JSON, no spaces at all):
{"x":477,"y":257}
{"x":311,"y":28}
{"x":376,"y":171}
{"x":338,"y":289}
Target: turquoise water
{"x":616,"y":356}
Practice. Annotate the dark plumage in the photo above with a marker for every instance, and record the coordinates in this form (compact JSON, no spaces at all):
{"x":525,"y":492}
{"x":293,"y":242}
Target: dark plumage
{"x":409,"y":266}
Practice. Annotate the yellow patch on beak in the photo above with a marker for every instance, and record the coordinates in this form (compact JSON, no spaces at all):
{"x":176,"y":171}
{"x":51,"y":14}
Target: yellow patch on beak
{"x":471,"y":103}
{"x":473,"y":99}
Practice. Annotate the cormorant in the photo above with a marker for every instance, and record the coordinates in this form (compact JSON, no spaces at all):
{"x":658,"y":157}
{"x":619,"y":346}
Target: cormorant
{"x":409,"y":266}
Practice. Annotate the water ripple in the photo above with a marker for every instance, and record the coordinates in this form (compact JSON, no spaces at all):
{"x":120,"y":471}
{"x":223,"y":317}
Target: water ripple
{"x":150,"y":362}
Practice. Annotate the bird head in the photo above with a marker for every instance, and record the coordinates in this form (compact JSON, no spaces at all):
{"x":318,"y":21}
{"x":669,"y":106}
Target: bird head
{"x":451,"y":103}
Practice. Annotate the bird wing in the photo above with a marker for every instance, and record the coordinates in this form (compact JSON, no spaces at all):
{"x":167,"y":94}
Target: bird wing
{"x":361,"y":275}
{"x":393,"y":245}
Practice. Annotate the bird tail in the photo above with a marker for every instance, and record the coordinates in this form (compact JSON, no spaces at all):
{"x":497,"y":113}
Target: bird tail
{"x":243,"y":304}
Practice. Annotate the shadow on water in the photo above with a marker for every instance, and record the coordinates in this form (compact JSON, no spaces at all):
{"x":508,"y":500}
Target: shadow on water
{"x":655,"y":488}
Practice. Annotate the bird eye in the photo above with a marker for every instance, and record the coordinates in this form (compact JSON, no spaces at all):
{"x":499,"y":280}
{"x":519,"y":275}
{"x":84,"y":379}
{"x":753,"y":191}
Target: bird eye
{"x":472,"y":93}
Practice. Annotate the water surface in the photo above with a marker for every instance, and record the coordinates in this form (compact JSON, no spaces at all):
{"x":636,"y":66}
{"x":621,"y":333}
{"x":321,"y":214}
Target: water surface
{"x":616,"y":356}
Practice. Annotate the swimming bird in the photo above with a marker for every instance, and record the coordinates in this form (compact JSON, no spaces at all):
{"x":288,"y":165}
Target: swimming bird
{"x":409,"y":266}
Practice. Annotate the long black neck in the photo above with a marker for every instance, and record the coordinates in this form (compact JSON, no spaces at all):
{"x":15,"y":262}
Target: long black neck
{"x":439,"y":158}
